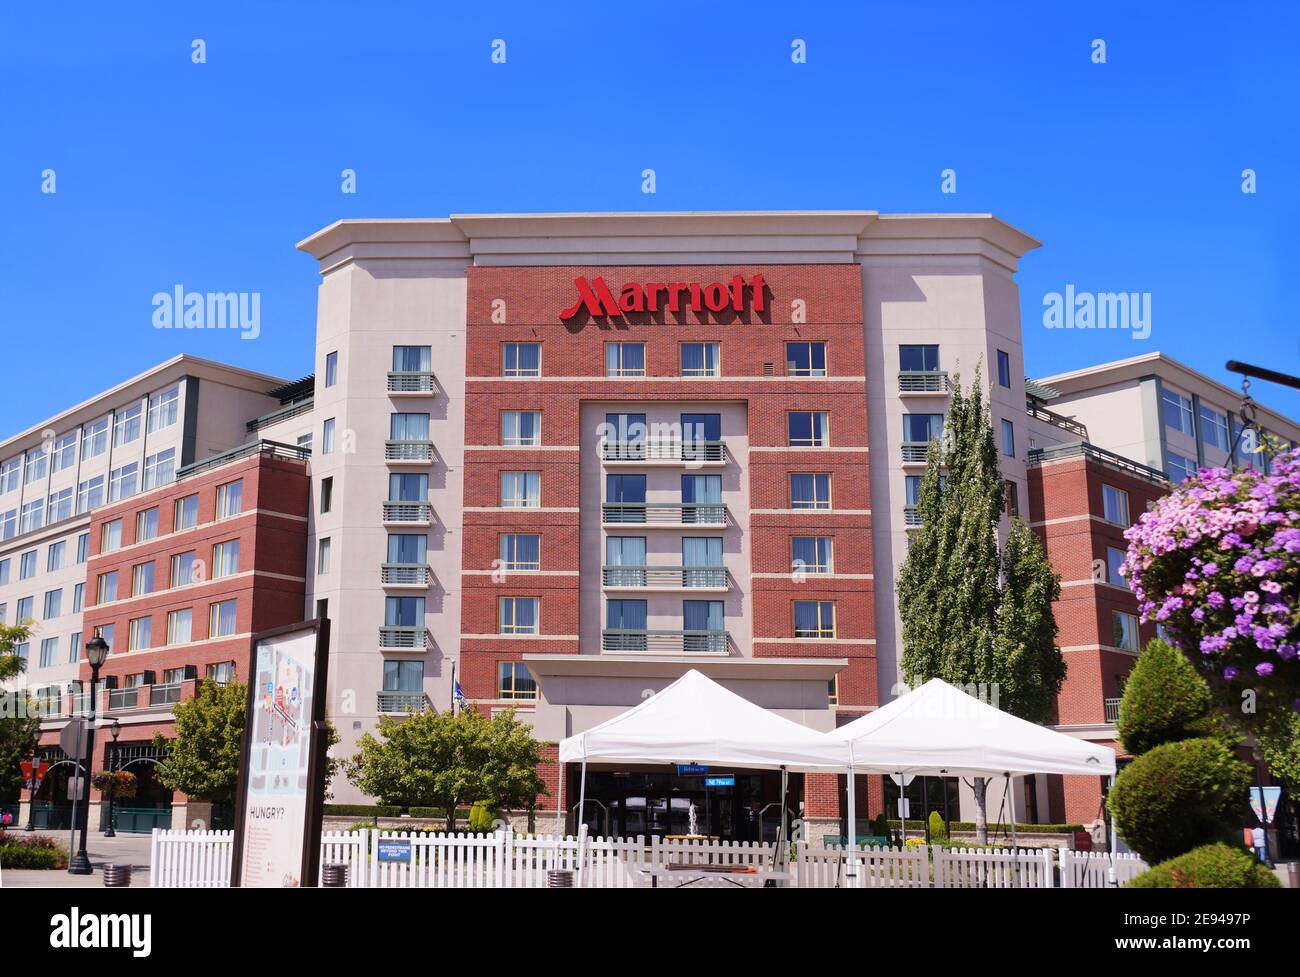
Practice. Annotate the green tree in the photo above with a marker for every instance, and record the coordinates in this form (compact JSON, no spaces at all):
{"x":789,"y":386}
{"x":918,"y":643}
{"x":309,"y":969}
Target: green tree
{"x":11,"y":636}
{"x":1165,"y":700}
{"x":20,"y":722}
{"x":203,"y":759}
{"x":444,"y":760}
{"x":970,"y":616}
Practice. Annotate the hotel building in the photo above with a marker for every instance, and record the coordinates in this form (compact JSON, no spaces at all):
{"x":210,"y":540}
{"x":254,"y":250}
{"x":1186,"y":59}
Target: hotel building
{"x":557,"y":460}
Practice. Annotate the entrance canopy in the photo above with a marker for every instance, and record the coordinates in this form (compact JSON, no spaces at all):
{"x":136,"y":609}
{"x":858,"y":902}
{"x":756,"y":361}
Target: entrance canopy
{"x":939,"y":730}
{"x":696,"y":720}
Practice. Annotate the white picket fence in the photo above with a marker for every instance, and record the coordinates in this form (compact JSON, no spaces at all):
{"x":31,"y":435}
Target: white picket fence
{"x":201,"y":859}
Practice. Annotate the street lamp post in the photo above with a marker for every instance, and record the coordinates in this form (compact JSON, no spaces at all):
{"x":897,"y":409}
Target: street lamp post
{"x":115,"y":728}
{"x":96,"y":653}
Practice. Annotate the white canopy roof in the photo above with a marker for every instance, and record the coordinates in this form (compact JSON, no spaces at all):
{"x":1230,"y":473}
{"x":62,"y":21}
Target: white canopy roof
{"x":696,"y":720}
{"x":939,"y":729}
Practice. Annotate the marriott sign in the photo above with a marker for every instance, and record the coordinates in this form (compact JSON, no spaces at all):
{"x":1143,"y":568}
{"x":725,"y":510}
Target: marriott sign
{"x":595,"y":297}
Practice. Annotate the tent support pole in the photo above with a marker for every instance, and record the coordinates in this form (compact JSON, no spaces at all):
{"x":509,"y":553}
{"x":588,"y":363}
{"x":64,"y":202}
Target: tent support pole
{"x":1112,"y":879}
{"x":851,"y":875}
{"x":781,"y":833}
{"x":559,"y":804}
{"x":1011,"y":813}
{"x":582,"y":795}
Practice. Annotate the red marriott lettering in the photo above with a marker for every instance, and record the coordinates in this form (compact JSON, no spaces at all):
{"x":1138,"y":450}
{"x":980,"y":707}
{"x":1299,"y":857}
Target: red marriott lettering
{"x":598,"y":300}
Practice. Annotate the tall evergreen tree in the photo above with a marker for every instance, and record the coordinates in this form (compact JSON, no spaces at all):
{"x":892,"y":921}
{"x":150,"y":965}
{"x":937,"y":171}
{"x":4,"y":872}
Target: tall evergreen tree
{"x":970,"y":616}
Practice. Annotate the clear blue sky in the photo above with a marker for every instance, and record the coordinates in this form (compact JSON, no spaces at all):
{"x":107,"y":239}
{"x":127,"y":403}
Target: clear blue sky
{"x":205,"y":175}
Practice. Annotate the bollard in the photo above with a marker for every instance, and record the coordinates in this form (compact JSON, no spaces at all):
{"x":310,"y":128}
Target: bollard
{"x":334,"y":876}
{"x":117,"y":876}
{"x":559,"y":878}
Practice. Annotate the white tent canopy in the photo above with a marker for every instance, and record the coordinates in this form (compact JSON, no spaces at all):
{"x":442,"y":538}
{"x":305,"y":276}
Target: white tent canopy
{"x":939,"y":730}
{"x":696,"y":720}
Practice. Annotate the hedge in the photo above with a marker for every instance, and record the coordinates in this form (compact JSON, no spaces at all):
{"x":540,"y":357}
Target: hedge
{"x":1165,"y":701}
{"x":32,"y":851}
{"x":1217,"y":866}
{"x":1024,"y":829}
{"x":363,"y":810}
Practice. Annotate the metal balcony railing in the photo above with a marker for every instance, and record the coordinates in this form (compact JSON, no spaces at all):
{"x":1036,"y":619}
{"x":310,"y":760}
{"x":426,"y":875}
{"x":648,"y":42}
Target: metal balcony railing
{"x":165,"y":695}
{"x":400,"y":638}
{"x":400,"y":702}
{"x":671,"y":577}
{"x":664,"y":642}
{"x":912,"y":517}
{"x":1082,"y":449}
{"x":283,"y":413}
{"x":665,"y":513}
{"x":122,"y":698}
{"x":914,"y":452}
{"x":414,"y":513}
{"x":408,"y":451}
{"x":405,"y":574}
{"x":665,"y":449}
{"x":268,"y":449}
{"x":1112,"y":710}
{"x":923,"y":382}
{"x":1037,"y":411}
{"x":411,"y":382}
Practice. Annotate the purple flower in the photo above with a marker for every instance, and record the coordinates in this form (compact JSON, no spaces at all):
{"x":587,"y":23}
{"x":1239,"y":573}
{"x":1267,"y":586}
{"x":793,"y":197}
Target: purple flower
{"x":1230,"y":673}
{"x":1264,"y":669}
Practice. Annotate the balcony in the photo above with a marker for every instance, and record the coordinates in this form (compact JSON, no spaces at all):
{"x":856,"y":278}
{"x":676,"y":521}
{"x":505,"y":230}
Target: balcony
{"x":267,"y":449}
{"x":284,"y":413}
{"x":165,"y":695}
{"x":915,"y":452}
{"x":1036,"y":410}
{"x":400,"y":638}
{"x":624,"y":641}
{"x":407,"y":513}
{"x":923,"y":382}
{"x":664,"y":451}
{"x":664,"y":514}
{"x":119,"y":699}
{"x":408,"y":452}
{"x":401,"y":702}
{"x":912,"y":517}
{"x":1112,"y":710}
{"x":405,"y":575}
{"x":664,"y":578}
{"x":1082,"y":449}
{"x":412,"y":383}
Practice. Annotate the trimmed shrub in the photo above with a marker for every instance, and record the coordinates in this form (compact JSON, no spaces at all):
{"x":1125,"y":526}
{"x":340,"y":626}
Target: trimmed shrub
{"x":1178,"y":796}
{"x":32,"y":851}
{"x":1209,"y":867}
{"x":938,"y":830}
{"x":880,"y":826}
{"x":1165,"y":701}
{"x":481,"y":817}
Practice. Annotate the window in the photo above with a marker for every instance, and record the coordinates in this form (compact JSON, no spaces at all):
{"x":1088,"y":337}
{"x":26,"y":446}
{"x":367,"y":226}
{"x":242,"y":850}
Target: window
{"x":1179,"y":468}
{"x":24,"y":610}
{"x":35,"y":465}
{"x":514,"y":681}
{"x":517,"y":615}
{"x":90,"y":494}
{"x":521,"y":428}
{"x":521,"y":551}
{"x":187,"y":513}
{"x":331,"y":369}
{"x":408,"y":487}
{"x":53,"y":604}
{"x":221,"y":619}
{"x":184,"y":569}
{"x":4,"y":571}
{"x":49,"y":652}
{"x":1177,"y":411}
{"x":922,"y":428}
{"x":160,"y":469}
{"x":4,"y":613}
{"x":110,"y":536}
{"x":74,"y":648}
{"x":521,"y":359}
{"x":56,"y":556}
{"x":64,"y":453}
{"x":412,"y":359}
{"x":94,"y":439}
{"x":146,"y":524}
{"x":814,"y":619}
{"x":78,"y":597}
{"x":121,"y":482}
{"x":811,"y":554}
{"x":106,"y":587}
{"x":625,"y":359}
{"x":173,"y":676}
{"x":403,"y":676}
{"x":163,"y":408}
{"x":918,"y":359}
{"x":1004,"y":369}
{"x":230,"y":499}
{"x":409,"y":427}
{"x":1008,"y":438}
{"x":1124,"y":629}
{"x":521,"y":490}
{"x":304,"y":441}
{"x":805,"y":359}
{"x":225,"y":558}
{"x":1115,"y":560}
{"x":833,"y":691}
{"x":403,"y":612}
{"x":108,"y":632}
{"x":323,"y":555}
{"x":9,"y":524}
{"x":126,"y":425}
{"x":27,"y":565}
{"x":1013,"y":498}
{"x":1114,"y":505}
{"x":139,"y":633}
{"x":83,"y":547}
{"x":808,"y":429}
{"x":810,"y":491}
{"x":1214,"y":428}
{"x":223,"y":673}
{"x":142,"y":579}
{"x":179,"y":625}
{"x":327,"y":493}
{"x":32,"y":516}
{"x":23,"y":650}
{"x":327,"y":437}
{"x":10,"y":474}
{"x":700,"y":360}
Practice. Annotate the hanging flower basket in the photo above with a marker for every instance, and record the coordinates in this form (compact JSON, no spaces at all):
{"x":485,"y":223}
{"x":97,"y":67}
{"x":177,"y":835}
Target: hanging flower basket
{"x":124,"y":784}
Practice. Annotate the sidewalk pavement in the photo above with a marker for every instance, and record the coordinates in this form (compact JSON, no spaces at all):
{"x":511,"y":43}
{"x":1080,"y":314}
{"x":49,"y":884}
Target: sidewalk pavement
{"x":132,"y":849}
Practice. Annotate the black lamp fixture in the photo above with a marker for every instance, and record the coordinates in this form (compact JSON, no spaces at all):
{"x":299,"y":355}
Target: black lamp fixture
{"x":96,"y":654}
{"x":114,"y":730}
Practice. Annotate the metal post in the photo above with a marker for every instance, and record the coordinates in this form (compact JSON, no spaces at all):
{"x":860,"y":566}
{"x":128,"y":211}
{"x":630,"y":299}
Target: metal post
{"x":31,"y":808}
{"x":1263,"y":809}
{"x":582,"y":796}
{"x":112,"y":783}
{"x":81,"y":861}
{"x":850,"y":874}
